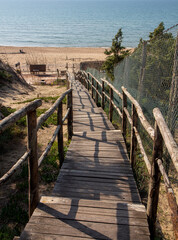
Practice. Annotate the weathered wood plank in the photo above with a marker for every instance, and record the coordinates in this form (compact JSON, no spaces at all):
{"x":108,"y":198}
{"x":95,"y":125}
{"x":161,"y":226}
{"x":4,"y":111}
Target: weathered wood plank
{"x":96,"y":196}
{"x":121,"y":180}
{"x":96,"y":204}
{"x":93,"y":174}
{"x":98,"y":185}
{"x":85,"y":229}
{"x":72,"y":213}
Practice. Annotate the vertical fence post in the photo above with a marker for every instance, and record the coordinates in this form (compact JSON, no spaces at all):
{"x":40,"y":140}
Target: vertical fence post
{"x":60,"y":135}
{"x":70,"y":117}
{"x":142,"y":70}
{"x":133,"y":137}
{"x":153,"y":193}
{"x":124,"y":117}
{"x":57,"y":73}
{"x":172,"y":112}
{"x":102,"y":104}
{"x":67,"y":66}
{"x":92,"y":89}
{"x":96,"y":100}
{"x":110,"y":104}
{"x":88,"y":84}
{"x":67,"y":80}
{"x":33,"y":195}
{"x":80,"y":77}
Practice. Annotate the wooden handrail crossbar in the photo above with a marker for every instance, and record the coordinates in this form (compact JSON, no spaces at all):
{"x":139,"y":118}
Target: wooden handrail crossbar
{"x":167,"y":137}
{"x":46,"y":151}
{"x":141,"y":116}
{"x":14,"y":117}
{"x":160,"y":134}
{"x":14,"y":168}
{"x":33,"y":126}
{"x":51,"y":110}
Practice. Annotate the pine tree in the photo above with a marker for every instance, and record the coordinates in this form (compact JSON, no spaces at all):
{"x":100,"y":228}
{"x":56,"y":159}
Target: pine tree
{"x":114,"y":55}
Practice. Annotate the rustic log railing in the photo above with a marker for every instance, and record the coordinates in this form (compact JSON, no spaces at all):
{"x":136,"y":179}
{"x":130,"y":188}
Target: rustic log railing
{"x":159,"y":135}
{"x":33,"y":125}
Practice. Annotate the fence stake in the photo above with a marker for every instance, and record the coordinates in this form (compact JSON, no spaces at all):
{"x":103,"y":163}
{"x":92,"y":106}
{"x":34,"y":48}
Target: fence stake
{"x":96,"y":100}
{"x":70,"y":117}
{"x":88,"y":78}
{"x":172,"y":113}
{"x":60,"y":135}
{"x":33,"y":194}
{"x":153,"y":193}
{"x":67,"y":80}
{"x":102,"y":104}
{"x":92,"y":89}
{"x":110,"y":104}
{"x":124,"y":116}
{"x":133,"y":137}
{"x":142,"y":70}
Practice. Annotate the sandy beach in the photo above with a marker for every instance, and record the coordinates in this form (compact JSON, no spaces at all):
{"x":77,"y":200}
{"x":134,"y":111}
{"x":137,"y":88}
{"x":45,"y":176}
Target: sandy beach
{"x":53,"y":57}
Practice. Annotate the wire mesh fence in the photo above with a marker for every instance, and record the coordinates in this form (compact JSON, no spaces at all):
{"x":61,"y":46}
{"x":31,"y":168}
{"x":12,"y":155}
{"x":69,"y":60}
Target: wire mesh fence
{"x":150,"y":75}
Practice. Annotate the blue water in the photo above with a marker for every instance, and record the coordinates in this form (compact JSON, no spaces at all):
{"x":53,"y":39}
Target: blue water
{"x":81,"y":23}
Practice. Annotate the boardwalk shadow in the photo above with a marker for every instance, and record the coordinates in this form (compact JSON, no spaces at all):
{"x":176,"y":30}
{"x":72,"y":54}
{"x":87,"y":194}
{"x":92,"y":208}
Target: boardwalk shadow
{"x":70,"y":220}
{"x":96,"y":175}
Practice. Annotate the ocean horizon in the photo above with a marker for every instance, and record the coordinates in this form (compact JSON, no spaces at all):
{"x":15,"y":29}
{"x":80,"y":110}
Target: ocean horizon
{"x":77,"y":23}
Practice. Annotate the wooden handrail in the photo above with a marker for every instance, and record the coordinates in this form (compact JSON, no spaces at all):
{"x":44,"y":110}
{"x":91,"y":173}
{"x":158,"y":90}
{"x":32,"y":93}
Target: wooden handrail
{"x":14,"y":117}
{"x":46,"y":151}
{"x":113,"y":88}
{"x":14,"y":168}
{"x":33,"y":126}
{"x":51,"y":110}
{"x":160,"y":134}
{"x":167,"y":136}
{"x":141,"y":116}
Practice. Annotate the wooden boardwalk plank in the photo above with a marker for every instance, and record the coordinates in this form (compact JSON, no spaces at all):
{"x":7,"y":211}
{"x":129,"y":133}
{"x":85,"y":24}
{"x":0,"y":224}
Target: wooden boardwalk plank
{"x":95,"y":195}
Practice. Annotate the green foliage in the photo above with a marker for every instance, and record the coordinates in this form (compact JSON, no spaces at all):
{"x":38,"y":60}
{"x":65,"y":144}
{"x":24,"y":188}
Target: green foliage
{"x":13,"y":215}
{"x":7,"y":233}
{"x":45,"y":99}
{"x":5,"y":75}
{"x":159,"y":32}
{"x":52,"y":120}
{"x":116,"y":54}
{"x":12,"y":132}
{"x":50,"y":166}
{"x":159,"y":66}
{"x":13,"y":212}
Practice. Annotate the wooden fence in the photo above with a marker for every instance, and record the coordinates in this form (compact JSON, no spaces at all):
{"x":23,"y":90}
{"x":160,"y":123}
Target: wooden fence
{"x":159,"y":135}
{"x":33,"y":125}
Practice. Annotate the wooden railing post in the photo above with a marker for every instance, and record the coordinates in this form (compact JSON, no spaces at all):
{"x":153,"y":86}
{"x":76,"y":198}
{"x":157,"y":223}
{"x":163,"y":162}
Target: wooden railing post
{"x":110,"y":104}
{"x":124,"y":116}
{"x":33,"y":195}
{"x":96,"y":99}
{"x":67,"y":80}
{"x":86,"y":81}
{"x":102,"y":103}
{"x":92,"y":89}
{"x":60,"y":134}
{"x":73,"y":68}
{"x":133,"y":137}
{"x":88,"y":84}
{"x":153,"y":194}
{"x":70,"y":117}
{"x":142,"y":70}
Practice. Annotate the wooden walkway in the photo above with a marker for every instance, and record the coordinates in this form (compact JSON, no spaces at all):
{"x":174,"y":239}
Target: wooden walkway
{"x":95,"y":196}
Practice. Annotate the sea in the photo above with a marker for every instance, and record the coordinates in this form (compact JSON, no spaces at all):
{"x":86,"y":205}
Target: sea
{"x":82,"y":23}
